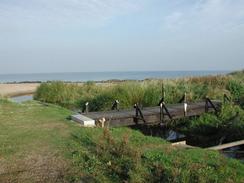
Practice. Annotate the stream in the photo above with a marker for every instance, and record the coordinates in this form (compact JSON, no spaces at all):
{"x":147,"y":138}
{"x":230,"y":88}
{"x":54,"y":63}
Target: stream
{"x":162,"y":132}
{"x":173,"y":136}
{"x":23,"y":98}
{"x":236,"y":152}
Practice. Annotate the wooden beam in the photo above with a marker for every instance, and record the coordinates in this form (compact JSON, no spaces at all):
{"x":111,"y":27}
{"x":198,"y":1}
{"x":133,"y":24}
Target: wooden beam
{"x":228,"y":145}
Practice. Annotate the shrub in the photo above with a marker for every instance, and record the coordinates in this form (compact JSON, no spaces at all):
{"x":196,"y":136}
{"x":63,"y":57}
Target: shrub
{"x":209,"y":129}
{"x":236,"y":89}
{"x":102,"y":102}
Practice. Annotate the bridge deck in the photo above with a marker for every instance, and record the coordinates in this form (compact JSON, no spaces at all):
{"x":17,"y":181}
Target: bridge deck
{"x":151,"y":114}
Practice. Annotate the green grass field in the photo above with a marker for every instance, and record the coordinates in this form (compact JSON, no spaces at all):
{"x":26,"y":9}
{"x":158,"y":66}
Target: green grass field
{"x":38,"y":144}
{"x":33,"y":142}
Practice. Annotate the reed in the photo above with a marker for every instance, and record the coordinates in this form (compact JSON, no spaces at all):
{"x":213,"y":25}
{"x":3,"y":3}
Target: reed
{"x":147,"y":93}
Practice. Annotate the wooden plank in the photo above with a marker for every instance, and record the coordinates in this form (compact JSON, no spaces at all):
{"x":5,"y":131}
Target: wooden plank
{"x":179,"y":143}
{"x":225,"y":146}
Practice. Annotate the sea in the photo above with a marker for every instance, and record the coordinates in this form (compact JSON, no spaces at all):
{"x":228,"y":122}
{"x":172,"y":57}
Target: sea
{"x":103,"y":76}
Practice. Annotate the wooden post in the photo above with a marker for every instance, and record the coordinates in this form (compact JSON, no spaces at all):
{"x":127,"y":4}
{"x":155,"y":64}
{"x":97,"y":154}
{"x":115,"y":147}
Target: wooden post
{"x":161,"y":113}
{"x":115,"y":105}
{"x":139,"y":113}
{"x":136,"y":108}
{"x":185,"y":106}
{"x":166,"y":111}
{"x":102,"y":122}
{"x":206,"y":104}
{"x":87,"y":107}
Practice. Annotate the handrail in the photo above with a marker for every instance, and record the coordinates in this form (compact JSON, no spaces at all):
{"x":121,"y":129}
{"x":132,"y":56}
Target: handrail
{"x":162,"y":114}
{"x":139,"y":113}
{"x":86,"y":108}
{"x":207,"y":102}
{"x":115,"y":105}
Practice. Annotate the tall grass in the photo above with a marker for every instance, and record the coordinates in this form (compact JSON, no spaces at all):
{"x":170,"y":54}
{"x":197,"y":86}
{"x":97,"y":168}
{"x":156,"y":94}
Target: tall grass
{"x":59,"y":93}
{"x":146,"y":93}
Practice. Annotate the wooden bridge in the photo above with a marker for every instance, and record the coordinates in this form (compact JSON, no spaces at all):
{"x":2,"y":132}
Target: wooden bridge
{"x":148,"y":115}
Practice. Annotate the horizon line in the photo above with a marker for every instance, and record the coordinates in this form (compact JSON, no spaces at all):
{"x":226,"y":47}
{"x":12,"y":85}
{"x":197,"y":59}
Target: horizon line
{"x":74,"y":72}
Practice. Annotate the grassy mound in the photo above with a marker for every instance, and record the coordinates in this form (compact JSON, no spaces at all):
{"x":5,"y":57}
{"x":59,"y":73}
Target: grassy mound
{"x":123,"y":155}
{"x":38,"y":144}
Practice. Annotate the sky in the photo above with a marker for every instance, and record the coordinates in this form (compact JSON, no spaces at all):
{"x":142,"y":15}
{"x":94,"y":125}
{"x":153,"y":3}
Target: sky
{"x":39,"y":36}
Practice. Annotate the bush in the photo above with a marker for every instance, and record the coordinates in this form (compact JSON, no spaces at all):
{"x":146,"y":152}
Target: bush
{"x":236,"y":89}
{"x":102,"y":102}
{"x":209,"y":129}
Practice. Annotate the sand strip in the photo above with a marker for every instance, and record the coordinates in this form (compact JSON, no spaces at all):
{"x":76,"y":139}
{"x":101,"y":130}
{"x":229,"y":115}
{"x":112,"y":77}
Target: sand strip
{"x":11,"y":90}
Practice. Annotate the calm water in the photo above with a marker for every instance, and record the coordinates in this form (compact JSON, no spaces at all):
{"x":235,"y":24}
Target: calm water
{"x":103,"y":76}
{"x":236,"y":152}
{"x":20,"y":99}
{"x":160,"y":131}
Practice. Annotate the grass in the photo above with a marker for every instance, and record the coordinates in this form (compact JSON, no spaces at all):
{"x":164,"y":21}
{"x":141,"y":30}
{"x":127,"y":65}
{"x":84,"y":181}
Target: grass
{"x":38,"y":144}
{"x":146,"y":93}
{"x":33,"y":142}
{"x":122,"y":155}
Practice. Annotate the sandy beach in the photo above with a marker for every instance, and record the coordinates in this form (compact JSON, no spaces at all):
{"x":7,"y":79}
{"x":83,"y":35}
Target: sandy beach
{"x":10,"y":90}
{"x":19,"y":89}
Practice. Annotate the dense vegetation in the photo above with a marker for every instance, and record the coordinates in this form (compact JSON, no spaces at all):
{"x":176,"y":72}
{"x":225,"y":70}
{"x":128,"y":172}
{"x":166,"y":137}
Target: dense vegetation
{"x":210,"y":130}
{"x":147,"y":93}
{"x":38,"y":144}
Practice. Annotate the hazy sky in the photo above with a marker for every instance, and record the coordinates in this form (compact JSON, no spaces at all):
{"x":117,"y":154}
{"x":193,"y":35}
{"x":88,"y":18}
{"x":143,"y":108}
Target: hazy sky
{"x":120,"y":35}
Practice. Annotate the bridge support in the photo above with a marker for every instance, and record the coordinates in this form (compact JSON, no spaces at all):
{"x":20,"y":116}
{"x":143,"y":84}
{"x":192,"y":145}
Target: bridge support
{"x":115,"y":105}
{"x":164,"y":111}
{"x":139,"y":115}
{"x":185,"y":105}
{"x":86,"y":108}
{"x":209,"y":104}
